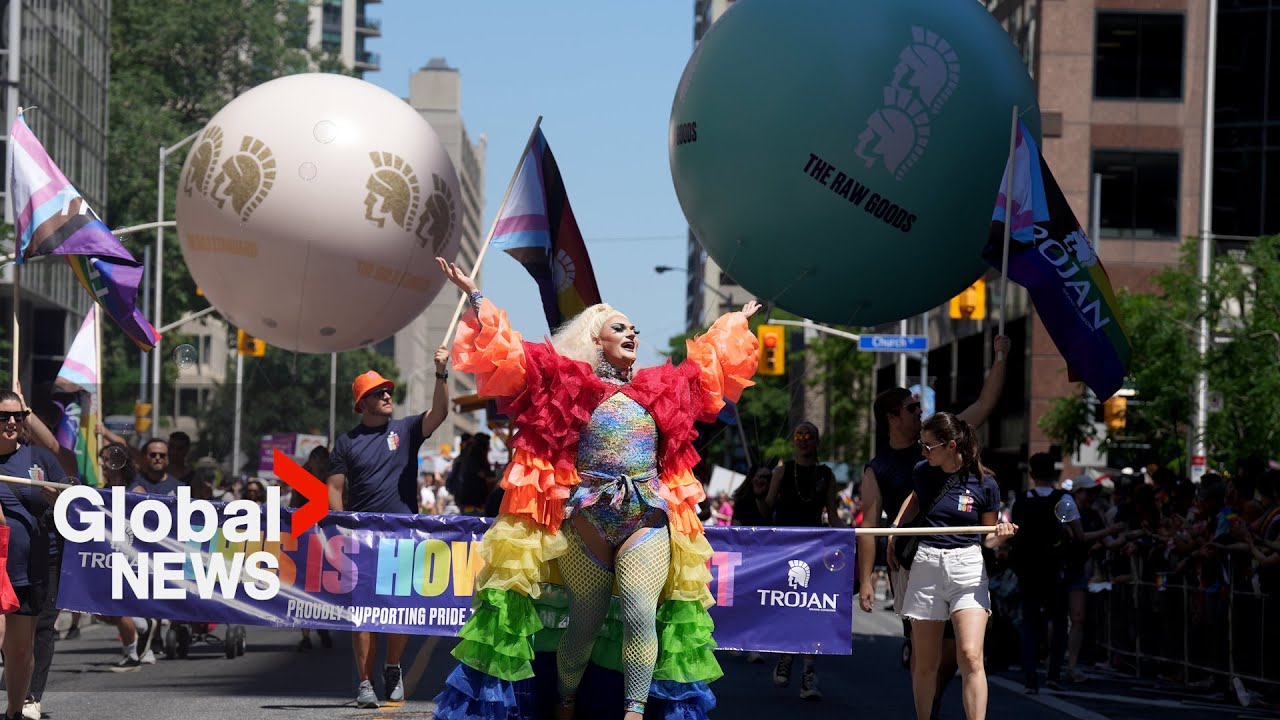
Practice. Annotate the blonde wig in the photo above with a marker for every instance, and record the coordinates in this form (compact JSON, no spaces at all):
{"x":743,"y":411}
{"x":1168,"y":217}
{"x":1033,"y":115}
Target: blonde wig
{"x":576,"y":339}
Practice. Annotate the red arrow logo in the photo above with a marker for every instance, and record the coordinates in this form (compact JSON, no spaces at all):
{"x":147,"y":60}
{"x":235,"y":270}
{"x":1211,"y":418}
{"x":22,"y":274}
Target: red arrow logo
{"x":316,"y":492}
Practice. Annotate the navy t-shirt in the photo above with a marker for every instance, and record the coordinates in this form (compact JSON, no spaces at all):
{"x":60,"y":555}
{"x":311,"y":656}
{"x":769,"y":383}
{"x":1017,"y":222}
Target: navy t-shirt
{"x":893,"y":468}
{"x":23,"y":507}
{"x":381,"y":465}
{"x":167,"y":485}
{"x":963,"y":505}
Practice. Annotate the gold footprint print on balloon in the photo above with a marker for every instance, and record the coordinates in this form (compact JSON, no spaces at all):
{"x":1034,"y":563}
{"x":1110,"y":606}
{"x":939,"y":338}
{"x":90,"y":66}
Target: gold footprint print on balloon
{"x":203,"y":158}
{"x":245,"y":178}
{"x":439,"y":217}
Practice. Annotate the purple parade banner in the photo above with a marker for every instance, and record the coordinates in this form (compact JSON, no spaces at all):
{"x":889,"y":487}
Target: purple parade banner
{"x":776,"y":589}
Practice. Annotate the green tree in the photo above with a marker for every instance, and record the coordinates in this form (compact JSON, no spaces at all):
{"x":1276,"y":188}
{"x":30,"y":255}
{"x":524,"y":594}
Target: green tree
{"x":1244,"y":311}
{"x":287,"y":392}
{"x":173,"y":66}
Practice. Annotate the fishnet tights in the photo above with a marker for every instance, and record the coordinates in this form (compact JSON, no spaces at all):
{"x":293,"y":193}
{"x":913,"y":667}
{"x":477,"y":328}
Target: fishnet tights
{"x":642,"y":571}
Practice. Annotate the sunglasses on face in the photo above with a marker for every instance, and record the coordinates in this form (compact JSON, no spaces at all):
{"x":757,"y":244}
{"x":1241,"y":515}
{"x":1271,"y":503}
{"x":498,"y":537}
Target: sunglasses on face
{"x":912,"y":407}
{"x":158,"y":455}
{"x":13,"y":415}
{"x":803,"y":436}
{"x":379,"y":394}
{"x":930,"y":448}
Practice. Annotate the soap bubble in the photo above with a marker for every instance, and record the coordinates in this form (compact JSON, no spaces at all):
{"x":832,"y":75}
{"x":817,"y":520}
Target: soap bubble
{"x":834,"y":559}
{"x":185,"y":356}
{"x":115,"y":457}
{"x":1066,"y":510}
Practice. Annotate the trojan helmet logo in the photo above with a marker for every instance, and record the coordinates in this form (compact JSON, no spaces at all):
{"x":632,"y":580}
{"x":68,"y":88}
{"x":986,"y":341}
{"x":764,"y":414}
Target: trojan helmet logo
{"x":245,"y":178}
{"x":203,"y":159}
{"x":897,"y":133}
{"x":925,"y":77}
{"x":797,"y":574}
{"x":439,"y":216}
{"x":929,"y":67}
{"x":393,"y":191}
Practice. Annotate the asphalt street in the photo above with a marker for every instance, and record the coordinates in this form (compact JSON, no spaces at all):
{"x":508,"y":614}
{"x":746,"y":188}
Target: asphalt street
{"x":274,"y":680}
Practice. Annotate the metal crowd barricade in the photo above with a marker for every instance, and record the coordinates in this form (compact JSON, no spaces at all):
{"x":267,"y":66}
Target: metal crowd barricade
{"x":1188,"y":634}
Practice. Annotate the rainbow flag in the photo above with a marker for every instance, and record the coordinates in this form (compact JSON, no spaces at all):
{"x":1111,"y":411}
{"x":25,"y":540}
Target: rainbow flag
{"x":76,"y":429}
{"x":1050,"y":255}
{"x":536,"y":227}
{"x":51,"y":218}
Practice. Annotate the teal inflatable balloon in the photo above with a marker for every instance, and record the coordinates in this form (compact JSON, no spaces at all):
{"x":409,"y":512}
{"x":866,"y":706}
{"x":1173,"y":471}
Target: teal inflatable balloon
{"x":841,"y":158}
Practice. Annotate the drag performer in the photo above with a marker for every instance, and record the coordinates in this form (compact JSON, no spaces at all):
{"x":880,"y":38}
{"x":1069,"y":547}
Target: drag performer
{"x":600,"y":490}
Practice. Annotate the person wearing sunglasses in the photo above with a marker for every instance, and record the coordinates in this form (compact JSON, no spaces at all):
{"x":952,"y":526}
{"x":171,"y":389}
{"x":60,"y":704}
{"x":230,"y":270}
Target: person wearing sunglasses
{"x":155,"y":479}
{"x":600,"y":491}
{"x":373,"y":468}
{"x":886,"y":483}
{"x":948,"y":579}
{"x":801,"y":490}
{"x":24,"y":580}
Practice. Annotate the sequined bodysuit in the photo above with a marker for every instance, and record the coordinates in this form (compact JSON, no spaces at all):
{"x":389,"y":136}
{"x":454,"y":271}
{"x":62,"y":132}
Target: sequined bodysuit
{"x":617,"y":461}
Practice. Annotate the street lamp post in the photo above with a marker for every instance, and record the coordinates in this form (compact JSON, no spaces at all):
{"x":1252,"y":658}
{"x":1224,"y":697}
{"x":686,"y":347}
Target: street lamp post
{"x":158,"y":274}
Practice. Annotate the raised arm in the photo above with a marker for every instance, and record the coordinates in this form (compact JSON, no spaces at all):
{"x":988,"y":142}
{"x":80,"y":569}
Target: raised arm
{"x":726,"y":357}
{"x":486,"y":346}
{"x":36,"y":429}
{"x":440,"y":399}
{"x":977,"y":413}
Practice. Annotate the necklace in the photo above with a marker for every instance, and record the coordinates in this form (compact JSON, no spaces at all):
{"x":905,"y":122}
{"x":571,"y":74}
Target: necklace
{"x":606,"y":371}
{"x":795,"y":483}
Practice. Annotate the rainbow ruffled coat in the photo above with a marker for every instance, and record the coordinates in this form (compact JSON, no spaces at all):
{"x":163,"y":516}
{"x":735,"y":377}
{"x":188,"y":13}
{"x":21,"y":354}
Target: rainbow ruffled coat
{"x":520,"y":606}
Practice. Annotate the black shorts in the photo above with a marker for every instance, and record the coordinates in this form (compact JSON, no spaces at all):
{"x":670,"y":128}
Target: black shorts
{"x":948,"y":630}
{"x":30,"y":599}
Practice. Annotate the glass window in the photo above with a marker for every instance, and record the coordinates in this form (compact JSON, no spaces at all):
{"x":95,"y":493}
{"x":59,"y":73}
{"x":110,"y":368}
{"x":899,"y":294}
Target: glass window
{"x":1138,"y":55}
{"x":1139,"y":193}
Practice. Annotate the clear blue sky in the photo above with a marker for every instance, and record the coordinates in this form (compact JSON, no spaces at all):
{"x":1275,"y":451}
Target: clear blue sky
{"x":602,"y":75}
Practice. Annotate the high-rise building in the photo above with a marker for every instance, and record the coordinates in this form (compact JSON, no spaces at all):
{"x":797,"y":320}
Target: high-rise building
{"x":54,"y":58}
{"x":342,"y":28}
{"x":435,"y":91}
{"x":709,"y":292}
{"x":1121,"y":90}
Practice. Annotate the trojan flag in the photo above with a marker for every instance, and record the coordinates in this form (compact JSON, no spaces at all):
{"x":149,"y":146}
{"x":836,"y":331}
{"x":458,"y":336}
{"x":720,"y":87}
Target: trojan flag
{"x":1050,"y":256}
{"x":536,"y":227}
{"x":51,"y":218}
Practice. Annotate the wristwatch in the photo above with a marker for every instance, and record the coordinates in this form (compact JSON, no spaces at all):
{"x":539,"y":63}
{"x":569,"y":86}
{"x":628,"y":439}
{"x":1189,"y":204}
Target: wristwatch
{"x":442,"y":375}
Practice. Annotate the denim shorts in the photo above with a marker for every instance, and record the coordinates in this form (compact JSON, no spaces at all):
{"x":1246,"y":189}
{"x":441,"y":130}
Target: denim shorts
{"x":943,"y":581}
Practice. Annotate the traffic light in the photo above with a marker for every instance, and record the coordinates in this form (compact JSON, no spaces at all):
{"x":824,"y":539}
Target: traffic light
{"x":141,"y":417}
{"x":1113,"y":412}
{"x":249,"y":345}
{"x":971,"y":303}
{"x":773,"y":349}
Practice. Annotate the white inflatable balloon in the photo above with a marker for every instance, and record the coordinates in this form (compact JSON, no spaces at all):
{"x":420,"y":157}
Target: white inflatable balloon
{"x":310,"y":210}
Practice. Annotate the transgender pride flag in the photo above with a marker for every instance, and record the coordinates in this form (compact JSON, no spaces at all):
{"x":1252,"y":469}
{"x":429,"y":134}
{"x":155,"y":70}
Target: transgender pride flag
{"x":51,"y":218}
{"x":1050,"y":255}
{"x":536,"y":227}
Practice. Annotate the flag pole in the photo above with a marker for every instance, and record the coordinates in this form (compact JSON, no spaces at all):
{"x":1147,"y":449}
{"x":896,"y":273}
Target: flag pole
{"x":1008,"y":224}
{"x":97,"y":368}
{"x":475,"y":270}
{"x":13,"y":350}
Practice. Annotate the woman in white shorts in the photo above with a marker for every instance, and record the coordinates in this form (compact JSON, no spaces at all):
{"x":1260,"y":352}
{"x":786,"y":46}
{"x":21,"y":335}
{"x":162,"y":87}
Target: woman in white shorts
{"x":948,"y":578}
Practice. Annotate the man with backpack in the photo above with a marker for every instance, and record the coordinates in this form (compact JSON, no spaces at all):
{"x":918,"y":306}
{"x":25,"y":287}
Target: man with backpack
{"x":1047,"y":519}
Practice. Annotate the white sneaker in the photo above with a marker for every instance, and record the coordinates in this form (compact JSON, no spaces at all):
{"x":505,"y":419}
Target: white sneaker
{"x":31,"y":710}
{"x":148,"y":657}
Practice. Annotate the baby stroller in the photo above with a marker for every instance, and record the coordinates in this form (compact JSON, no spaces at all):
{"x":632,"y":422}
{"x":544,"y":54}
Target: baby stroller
{"x":180,"y":636}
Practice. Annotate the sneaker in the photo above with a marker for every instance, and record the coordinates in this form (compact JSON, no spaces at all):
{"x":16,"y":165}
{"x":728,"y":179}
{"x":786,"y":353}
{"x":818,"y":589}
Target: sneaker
{"x":127,"y":663}
{"x":1077,"y":677}
{"x":365,"y":697}
{"x":305,"y":645}
{"x":782,"y":672}
{"x":1053,"y":684}
{"x":393,"y":682}
{"x":31,"y":709}
{"x":148,"y":657}
{"x":72,"y":633}
{"x":755,"y":658}
{"x":148,"y":636}
{"x":809,"y":685}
